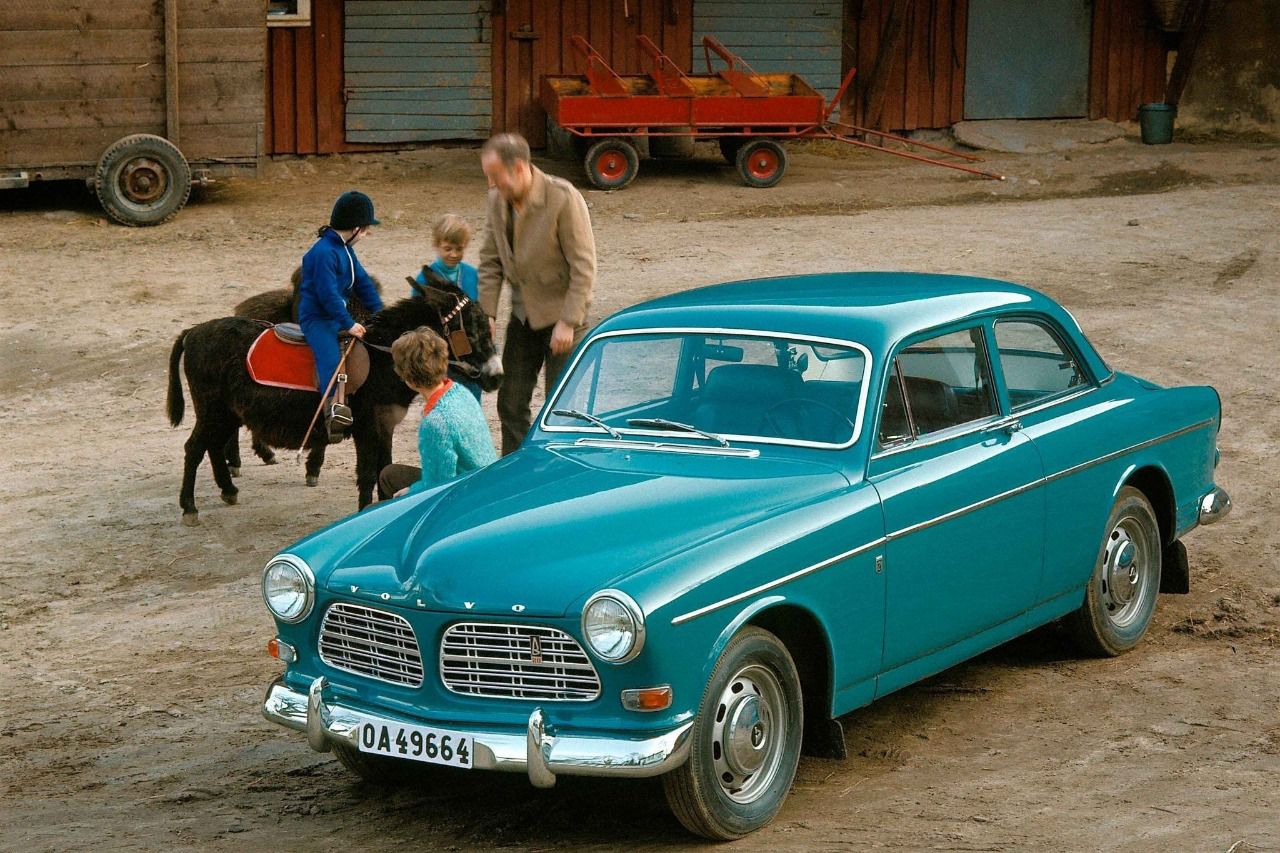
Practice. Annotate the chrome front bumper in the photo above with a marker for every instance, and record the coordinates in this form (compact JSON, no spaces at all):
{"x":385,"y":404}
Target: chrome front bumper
{"x":538,"y":752}
{"x":1214,"y":506}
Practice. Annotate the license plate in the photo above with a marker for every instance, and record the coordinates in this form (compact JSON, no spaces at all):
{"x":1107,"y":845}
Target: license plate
{"x":416,"y":743}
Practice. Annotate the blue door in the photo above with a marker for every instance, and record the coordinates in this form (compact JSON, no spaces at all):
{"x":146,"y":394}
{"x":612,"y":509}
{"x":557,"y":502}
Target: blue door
{"x":963,"y":510}
{"x":1027,"y":60}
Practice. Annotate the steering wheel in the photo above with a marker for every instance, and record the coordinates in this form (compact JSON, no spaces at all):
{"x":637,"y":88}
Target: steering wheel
{"x":792,"y":408}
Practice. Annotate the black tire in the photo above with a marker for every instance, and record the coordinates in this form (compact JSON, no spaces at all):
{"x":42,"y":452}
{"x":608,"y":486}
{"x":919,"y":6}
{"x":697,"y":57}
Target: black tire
{"x":730,"y":787}
{"x":1120,"y":597}
{"x":142,"y":180}
{"x":611,"y":164}
{"x":761,"y":163}
{"x":729,"y":147}
{"x":380,"y":770}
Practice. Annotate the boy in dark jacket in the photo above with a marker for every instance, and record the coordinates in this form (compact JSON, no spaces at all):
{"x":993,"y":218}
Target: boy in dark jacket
{"x":330,"y":272}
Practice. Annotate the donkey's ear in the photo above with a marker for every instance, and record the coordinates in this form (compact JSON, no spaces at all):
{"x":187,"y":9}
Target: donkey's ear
{"x":417,"y":286}
{"x":434,"y":277}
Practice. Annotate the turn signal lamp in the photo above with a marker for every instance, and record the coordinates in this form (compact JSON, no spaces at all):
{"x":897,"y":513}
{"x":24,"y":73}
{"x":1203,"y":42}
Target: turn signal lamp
{"x":647,"y":699}
{"x":280,"y":650}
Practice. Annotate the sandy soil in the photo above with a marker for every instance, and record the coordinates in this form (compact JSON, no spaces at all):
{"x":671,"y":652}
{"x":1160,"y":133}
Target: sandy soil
{"x":132,"y":649}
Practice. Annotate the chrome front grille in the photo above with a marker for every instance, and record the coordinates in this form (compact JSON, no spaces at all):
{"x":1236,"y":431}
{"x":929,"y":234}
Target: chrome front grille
{"x":372,"y":643}
{"x":516,"y":662}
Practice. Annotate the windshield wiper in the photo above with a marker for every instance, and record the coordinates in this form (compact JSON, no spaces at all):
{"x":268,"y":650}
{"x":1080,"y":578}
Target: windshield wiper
{"x":583,"y":416}
{"x":663,"y":423}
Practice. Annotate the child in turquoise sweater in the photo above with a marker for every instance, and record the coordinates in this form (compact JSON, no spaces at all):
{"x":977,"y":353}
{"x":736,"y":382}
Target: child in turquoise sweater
{"x":453,"y":437}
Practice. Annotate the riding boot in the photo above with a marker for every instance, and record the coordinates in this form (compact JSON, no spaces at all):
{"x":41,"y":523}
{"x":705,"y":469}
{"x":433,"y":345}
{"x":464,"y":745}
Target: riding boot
{"x":337,"y":414}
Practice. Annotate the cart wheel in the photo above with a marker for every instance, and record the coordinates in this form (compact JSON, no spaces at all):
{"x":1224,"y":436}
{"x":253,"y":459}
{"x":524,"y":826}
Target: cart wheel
{"x":761,"y":163}
{"x":142,"y":180}
{"x":730,"y":146}
{"x":612,"y":164}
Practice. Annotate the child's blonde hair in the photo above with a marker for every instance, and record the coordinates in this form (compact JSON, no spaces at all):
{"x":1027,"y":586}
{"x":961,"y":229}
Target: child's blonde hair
{"x":451,"y":228}
{"x":421,"y":358}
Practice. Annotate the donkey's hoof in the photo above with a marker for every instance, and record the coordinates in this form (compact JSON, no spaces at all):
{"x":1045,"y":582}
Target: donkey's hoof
{"x":234,"y":470}
{"x":229,"y":498}
{"x":270,"y":460}
{"x":190,"y":519}
{"x":313,"y":479}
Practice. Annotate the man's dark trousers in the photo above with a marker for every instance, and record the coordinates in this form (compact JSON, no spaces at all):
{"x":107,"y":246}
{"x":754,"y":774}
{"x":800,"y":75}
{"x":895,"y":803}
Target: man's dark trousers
{"x":523,"y":354}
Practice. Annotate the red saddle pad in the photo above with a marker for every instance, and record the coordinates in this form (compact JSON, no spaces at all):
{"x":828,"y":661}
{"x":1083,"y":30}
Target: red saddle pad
{"x":281,"y":364}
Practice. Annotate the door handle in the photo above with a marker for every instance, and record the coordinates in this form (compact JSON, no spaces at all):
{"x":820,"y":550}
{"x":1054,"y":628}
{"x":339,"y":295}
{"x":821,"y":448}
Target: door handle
{"x":1008,"y":426}
{"x":526,"y":32}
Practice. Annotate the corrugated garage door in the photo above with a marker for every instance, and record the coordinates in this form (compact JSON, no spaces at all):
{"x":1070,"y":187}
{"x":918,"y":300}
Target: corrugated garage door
{"x":417,"y":70}
{"x":801,"y":37}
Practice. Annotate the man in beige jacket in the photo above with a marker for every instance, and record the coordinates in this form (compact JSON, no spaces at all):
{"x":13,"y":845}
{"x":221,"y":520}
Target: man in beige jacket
{"x":538,"y":240}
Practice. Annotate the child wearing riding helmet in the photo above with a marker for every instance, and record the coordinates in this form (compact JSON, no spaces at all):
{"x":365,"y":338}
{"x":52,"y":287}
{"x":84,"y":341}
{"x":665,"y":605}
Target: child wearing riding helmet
{"x":330,"y":274}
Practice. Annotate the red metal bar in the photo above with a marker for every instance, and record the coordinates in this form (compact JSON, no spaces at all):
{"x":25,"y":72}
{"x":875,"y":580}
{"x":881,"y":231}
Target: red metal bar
{"x":910,"y":156}
{"x":869,"y":132}
{"x":602,"y":79}
{"x":749,"y":85}
{"x":835,"y":101}
{"x":667,"y":76}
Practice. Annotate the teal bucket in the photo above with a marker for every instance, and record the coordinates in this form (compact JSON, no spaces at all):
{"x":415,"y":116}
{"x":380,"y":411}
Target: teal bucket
{"x":1156,"y":121}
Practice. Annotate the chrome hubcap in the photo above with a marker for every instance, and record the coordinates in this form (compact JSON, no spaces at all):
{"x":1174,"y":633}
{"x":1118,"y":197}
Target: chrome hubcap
{"x":1126,"y":571}
{"x":747,"y":743}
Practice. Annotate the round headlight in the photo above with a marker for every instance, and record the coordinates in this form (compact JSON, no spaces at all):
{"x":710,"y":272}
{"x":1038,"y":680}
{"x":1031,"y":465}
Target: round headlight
{"x":288,"y":588}
{"x":613,"y":626}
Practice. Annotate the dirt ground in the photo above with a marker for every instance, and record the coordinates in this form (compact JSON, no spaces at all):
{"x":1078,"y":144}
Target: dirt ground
{"x":132,"y":657}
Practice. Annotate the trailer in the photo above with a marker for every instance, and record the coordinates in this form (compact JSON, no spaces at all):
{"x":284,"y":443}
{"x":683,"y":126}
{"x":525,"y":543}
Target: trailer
{"x":749,"y":114}
{"x":139,"y":98}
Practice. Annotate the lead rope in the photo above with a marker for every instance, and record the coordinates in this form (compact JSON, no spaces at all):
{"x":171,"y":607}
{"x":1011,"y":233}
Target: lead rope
{"x":320,"y":408}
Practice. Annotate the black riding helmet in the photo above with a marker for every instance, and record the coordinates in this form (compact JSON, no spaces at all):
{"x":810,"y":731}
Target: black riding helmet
{"x":353,"y":209}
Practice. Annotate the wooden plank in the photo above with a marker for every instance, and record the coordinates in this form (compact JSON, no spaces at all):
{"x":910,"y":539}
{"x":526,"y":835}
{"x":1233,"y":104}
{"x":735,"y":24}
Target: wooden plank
{"x":100,"y":15}
{"x":498,"y":60}
{"x":73,"y":114}
{"x":171,"y":104}
{"x":99,"y":47}
{"x":1187,"y":48}
{"x":327,"y":27}
{"x":394,"y":136}
{"x":242,"y":44}
{"x":74,"y":146}
{"x":63,"y":82}
{"x":959,"y":47}
{"x":883,"y":98}
{"x":219,"y":141}
{"x":942,"y":67}
{"x":1097,"y":60}
{"x":221,"y":14}
{"x":418,"y":91}
{"x":283,"y":96}
{"x":441,"y":27}
{"x":424,"y":105}
{"x":412,"y":7}
{"x":462,"y":124}
{"x":304,"y":75}
{"x":907,"y":70}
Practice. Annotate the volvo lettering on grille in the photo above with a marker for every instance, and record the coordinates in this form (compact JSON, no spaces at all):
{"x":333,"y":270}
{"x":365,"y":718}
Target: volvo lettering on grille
{"x":516,"y":662}
{"x":372,"y":643}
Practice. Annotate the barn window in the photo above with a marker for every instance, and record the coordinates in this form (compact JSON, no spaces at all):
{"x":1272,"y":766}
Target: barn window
{"x":289,"y":13}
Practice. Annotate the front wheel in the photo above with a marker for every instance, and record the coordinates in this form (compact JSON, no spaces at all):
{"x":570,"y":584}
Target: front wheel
{"x":611,"y":164}
{"x":745,"y":743}
{"x":1120,"y":597}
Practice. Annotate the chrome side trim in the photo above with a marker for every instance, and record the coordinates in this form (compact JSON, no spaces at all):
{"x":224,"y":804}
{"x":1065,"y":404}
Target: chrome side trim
{"x":554,"y":753}
{"x":955,"y":513}
{"x":808,"y":570}
{"x":662,"y":447}
{"x":1214,"y":506}
{"x":1115,"y":454}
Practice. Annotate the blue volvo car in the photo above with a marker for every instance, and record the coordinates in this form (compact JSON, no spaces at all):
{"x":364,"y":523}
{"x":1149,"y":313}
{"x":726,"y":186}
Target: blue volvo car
{"x":745,"y":511}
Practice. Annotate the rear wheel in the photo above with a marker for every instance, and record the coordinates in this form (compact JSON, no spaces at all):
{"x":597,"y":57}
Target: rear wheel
{"x":745,"y":743}
{"x":761,"y":163}
{"x":611,"y":164}
{"x":1120,"y":597}
{"x":142,"y":180}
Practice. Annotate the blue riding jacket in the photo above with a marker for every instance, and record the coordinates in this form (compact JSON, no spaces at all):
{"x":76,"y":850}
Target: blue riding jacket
{"x":330,"y":274}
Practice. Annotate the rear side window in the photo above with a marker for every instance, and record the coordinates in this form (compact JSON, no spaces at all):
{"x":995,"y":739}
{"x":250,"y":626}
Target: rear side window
{"x":1036,"y":365}
{"x":945,"y":382}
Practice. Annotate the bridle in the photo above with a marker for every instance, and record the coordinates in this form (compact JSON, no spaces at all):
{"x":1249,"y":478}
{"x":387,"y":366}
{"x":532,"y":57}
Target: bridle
{"x":455,"y":339}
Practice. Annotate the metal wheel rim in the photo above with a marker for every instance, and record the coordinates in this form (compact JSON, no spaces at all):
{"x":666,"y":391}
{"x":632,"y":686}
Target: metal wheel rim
{"x":143,"y":181}
{"x":611,"y":165}
{"x":1126,"y":570}
{"x":748,"y":736}
{"x":762,"y":163}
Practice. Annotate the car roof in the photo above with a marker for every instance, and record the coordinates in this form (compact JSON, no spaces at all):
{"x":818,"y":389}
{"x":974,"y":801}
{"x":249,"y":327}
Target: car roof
{"x":873,"y":308}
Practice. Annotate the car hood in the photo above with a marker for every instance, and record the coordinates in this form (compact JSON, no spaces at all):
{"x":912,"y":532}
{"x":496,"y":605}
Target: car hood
{"x":545,"y":527}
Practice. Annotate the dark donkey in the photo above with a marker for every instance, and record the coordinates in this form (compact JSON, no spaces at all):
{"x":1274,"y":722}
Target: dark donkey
{"x":225,"y":397}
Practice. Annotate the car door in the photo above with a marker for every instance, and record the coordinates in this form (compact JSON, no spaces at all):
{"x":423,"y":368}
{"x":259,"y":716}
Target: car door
{"x":963,"y":510}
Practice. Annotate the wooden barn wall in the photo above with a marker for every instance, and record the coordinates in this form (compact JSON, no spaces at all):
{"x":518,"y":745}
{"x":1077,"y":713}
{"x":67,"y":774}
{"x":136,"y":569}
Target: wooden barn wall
{"x":611,"y":26}
{"x":417,"y":70}
{"x":304,"y":109}
{"x":801,"y":37}
{"x":926,"y":88}
{"x":76,"y":77}
{"x":1127,"y":60}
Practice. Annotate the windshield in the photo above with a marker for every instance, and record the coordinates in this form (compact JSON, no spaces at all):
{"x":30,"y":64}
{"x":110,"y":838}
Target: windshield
{"x":715,"y":385}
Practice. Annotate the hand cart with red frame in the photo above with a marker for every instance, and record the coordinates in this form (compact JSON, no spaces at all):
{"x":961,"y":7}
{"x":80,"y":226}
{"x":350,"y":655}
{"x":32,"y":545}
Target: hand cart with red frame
{"x":746,"y":112}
